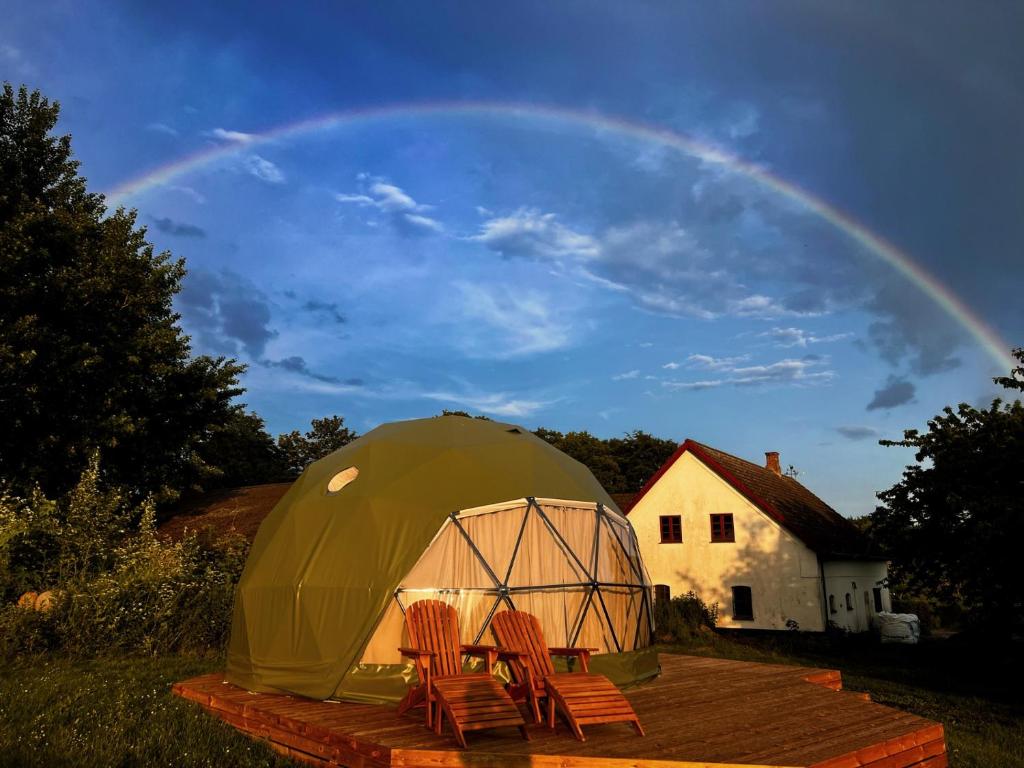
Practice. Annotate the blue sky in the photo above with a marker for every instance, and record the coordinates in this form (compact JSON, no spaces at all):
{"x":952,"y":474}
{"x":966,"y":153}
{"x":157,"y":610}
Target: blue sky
{"x":559,"y":273}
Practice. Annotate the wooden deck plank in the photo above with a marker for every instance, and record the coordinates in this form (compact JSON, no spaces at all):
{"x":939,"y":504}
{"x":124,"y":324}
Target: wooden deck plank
{"x":787,"y":716}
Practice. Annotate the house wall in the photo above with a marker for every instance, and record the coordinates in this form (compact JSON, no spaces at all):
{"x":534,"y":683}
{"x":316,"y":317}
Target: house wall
{"x":782,"y":572}
{"x":856,"y":579}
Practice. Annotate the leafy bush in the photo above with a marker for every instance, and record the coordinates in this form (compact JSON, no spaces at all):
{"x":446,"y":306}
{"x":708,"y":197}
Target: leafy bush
{"x":118,"y":587}
{"x":683,"y":617}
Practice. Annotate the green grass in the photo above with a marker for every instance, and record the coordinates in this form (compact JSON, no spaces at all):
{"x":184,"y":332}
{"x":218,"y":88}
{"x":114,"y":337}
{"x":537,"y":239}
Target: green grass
{"x":120,"y":712}
{"x":114,"y":712}
{"x":973,"y":690}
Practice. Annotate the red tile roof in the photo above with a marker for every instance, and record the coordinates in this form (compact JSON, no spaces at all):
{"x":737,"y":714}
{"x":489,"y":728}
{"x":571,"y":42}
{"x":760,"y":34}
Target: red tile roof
{"x":783,"y":499}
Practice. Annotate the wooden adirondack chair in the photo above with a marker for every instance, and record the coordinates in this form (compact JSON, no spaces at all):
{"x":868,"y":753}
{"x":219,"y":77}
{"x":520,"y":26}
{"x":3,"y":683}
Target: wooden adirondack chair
{"x":470,"y":701}
{"x":583,"y":697}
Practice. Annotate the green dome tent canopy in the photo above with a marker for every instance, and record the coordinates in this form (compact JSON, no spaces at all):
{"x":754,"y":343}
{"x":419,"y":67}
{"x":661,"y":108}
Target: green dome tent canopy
{"x":377,"y":524}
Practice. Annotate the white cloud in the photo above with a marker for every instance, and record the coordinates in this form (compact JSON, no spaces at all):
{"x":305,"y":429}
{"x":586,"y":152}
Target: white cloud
{"x":787,"y":372}
{"x":664,"y":266}
{"x":708,"y":384}
{"x":226,"y":135}
{"x":263,"y":169}
{"x":764,"y":307}
{"x":497,"y":403}
{"x":424,"y":222}
{"x":678,"y":305}
{"x":671,"y":366}
{"x":634,"y":374}
{"x":405,"y":213}
{"x":532,"y":234}
{"x":162,"y":128}
{"x":197,"y":196}
{"x":781,"y":372}
{"x":797,"y":337}
{"x":392,"y":198}
{"x":709,"y":363}
{"x":357,"y":199}
{"x":662,"y":248}
{"x":506,"y":323}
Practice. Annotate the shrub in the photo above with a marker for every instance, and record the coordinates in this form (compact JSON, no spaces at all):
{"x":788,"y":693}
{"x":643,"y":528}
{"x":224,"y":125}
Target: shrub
{"x":118,"y":587}
{"x":683,"y":617}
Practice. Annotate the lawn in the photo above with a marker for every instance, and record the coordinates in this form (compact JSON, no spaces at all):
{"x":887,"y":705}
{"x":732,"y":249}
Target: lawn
{"x":120,"y":712}
{"x":114,"y":712}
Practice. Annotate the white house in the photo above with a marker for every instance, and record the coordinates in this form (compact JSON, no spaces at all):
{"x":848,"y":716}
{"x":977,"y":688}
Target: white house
{"x":769,"y":552}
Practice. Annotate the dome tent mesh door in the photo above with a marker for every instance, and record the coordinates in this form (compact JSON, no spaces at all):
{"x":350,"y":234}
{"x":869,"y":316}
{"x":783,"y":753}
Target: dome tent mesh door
{"x":573,"y":564}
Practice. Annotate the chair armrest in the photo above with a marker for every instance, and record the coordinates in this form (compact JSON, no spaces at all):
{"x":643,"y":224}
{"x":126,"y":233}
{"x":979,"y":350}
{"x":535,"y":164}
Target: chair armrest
{"x":418,"y":653}
{"x":505,"y":654}
{"x":571,"y":651}
{"x":488,"y":653}
{"x":583,"y":654}
{"x":478,"y":650}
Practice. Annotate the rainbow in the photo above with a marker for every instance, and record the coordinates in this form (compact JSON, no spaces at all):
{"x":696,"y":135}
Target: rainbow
{"x":899,"y":260}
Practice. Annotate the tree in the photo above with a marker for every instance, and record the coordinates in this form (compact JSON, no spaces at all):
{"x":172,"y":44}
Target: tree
{"x":589,"y":450}
{"x":1016,"y":378}
{"x":91,"y":354}
{"x":243,"y":452}
{"x":326,"y":435}
{"x":953,"y":524}
{"x":464,"y":414}
{"x":639,"y":455}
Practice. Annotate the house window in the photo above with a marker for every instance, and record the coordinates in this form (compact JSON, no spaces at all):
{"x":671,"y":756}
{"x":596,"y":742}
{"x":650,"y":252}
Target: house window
{"x":671,"y":529}
{"x":662,"y":594}
{"x":722,"y":528}
{"x":849,"y":602}
{"x":878,"y":599}
{"x":742,"y":604}
{"x":832,"y":604}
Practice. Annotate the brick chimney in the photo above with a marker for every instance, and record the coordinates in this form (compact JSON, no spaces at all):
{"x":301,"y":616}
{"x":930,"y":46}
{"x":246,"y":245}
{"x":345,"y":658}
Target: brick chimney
{"x":771,"y":461}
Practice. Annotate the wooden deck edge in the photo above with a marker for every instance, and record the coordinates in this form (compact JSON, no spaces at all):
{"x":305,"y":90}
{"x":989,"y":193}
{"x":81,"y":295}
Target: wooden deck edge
{"x":298,"y":740}
{"x":923,"y":747}
{"x":314,"y":744}
{"x":827,"y":678}
{"x":422,"y":758}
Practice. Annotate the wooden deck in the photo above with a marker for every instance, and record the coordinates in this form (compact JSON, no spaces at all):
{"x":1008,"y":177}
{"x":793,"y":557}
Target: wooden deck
{"x":701,"y":712}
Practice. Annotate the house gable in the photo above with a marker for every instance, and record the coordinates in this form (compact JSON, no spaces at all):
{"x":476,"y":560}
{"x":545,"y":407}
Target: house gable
{"x":781,"y":498}
{"x":781,"y":573}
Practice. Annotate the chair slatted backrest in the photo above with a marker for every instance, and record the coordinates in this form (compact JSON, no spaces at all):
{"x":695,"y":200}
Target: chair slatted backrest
{"x":433,"y":625}
{"x":520,"y":631}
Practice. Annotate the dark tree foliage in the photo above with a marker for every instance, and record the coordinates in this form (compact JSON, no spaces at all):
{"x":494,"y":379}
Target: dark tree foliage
{"x":325,"y":436}
{"x":91,"y":356}
{"x":243,"y":452}
{"x":954,"y":523}
{"x":639,"y":455}
{"x":587,"y":449}
{"x":447,"y":412}
{"x":1016,"y":378}
{"x":620,"y":464}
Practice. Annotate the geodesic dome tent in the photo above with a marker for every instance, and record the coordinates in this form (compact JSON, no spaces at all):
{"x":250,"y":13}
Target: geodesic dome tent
{"x":480,"y":514}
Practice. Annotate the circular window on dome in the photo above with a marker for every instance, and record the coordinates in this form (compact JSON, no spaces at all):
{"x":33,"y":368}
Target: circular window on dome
{"x":341,"y":479}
